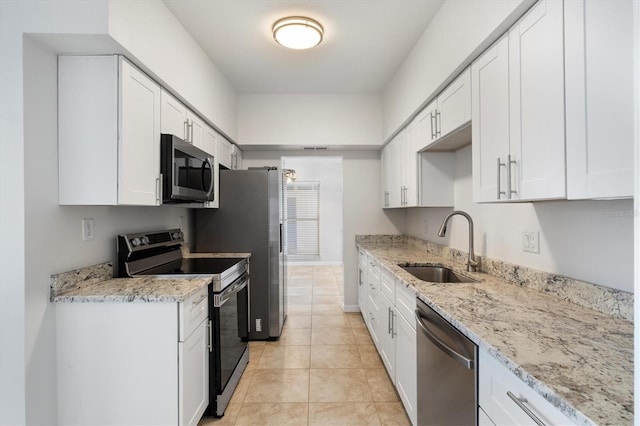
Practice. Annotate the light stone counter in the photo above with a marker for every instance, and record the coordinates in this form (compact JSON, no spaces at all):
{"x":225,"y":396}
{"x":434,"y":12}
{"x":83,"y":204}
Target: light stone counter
{"x":97,"y":284}
{"x":578,"y":359}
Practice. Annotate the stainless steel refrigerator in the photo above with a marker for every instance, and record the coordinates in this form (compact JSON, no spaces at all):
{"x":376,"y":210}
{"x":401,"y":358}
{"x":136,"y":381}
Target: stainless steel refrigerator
{"x":250,"y":219}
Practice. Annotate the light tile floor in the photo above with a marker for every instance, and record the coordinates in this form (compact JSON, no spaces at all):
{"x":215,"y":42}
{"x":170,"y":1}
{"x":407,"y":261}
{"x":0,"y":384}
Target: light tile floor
{"x":324,"y":369}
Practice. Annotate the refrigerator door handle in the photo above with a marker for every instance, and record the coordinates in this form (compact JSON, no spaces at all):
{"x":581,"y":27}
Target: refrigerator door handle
{"x":280,"y":238}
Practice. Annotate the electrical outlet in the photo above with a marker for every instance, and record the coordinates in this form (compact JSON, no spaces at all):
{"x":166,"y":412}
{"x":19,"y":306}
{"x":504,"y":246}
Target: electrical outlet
{"x":258,"y":324}
{"x":531,"y":241}
{"x":87,"y":229}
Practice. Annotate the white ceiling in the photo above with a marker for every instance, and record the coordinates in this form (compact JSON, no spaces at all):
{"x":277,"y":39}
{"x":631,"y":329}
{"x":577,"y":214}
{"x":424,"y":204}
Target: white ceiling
{"x":365,"y":42}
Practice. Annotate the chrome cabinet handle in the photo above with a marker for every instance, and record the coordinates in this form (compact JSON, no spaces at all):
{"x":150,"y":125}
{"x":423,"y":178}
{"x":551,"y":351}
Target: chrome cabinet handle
{"x":386,"y":198}
{"x":388,"y":320}
{"x":438,"y":124}
{"x":158,"y":190}
{"x":461,"y":359}
{"x":433,"y":127}
{"x":509,"y":163}
{"x":210,"y":343}
{"x":186,"y":130}
{"x":520,"y":403}
{"x":500,"y":164}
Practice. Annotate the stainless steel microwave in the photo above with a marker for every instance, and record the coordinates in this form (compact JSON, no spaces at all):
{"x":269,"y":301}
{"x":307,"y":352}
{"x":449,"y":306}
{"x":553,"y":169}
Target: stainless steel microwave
{"x":187,"y":172}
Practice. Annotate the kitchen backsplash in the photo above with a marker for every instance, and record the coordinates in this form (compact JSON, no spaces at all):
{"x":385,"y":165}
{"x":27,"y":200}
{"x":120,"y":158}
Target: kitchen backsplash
{"x":610,"y":301}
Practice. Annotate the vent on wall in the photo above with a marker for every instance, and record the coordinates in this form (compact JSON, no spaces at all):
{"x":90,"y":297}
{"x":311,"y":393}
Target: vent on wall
{"x":315,"y":148}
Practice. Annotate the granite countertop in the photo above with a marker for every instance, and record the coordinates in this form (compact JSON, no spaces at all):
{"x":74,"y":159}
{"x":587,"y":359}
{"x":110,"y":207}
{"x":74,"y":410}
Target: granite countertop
{"x":578,"y":359}
{"x":97,"y":284}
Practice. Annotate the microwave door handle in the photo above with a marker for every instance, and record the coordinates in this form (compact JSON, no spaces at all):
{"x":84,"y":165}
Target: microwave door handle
{"x":208,"y":161}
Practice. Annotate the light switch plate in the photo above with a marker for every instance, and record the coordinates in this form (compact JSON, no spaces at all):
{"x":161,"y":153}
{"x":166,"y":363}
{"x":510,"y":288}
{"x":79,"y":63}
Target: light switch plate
{"x":531,"y":241}
{"x":87,"y":229}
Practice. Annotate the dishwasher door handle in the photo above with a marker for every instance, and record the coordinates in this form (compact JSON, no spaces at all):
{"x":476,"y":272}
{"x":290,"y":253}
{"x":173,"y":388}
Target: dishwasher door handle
{"x":461,"y":359}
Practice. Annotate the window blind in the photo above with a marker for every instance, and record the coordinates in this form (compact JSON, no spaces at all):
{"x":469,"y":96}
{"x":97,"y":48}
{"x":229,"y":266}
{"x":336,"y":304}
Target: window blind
{"x":303,"y":219}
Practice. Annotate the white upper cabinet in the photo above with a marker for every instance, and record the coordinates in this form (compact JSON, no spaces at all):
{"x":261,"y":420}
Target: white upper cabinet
{"x":518,"y":111}
{"x":449,"y":116}
{"x":536,"y":119}
{"x":225,"y":152}
{"x":109,"y":151}
{"x":490,"y":118}
{"x":454,"y":105}
{"x":599,"y":87}
{"x":173,"y":116}
{"x":176,"y":119}
{"x":393,"y":189}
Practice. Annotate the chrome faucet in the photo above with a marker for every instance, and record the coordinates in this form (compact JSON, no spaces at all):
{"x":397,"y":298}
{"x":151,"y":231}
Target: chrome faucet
{"x":472,"y":263}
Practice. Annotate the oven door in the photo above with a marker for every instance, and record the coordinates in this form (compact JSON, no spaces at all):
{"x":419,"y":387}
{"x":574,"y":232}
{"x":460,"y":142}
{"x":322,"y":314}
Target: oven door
{"x":187,"y":171}
{"x":230,"y":322}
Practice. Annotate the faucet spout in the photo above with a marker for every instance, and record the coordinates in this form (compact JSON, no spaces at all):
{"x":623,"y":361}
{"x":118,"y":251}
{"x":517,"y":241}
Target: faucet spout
{"x":472,"y":262}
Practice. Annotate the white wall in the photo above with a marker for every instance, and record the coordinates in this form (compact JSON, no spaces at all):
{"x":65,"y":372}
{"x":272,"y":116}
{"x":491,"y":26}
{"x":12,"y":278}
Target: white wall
{"x":328,"y":172}
{"x":362,"y":208}
{"x":456,"y":35}
{"x":346,"y":120}
{"x":53,"y":241}
{"x":17,"y":312}
{"x":587,"y":240}
{"x":154,"y":37}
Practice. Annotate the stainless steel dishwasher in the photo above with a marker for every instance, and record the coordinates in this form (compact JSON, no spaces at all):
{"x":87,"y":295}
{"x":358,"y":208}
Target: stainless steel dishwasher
{"x":447,"y":372}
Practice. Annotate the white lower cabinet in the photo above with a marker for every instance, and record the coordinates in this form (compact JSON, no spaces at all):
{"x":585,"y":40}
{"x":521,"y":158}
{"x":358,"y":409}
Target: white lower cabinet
{"x":389,"y":315}
{"x":405,"y":340}
{"x":504,"y":399}
{"x":132,"y":363}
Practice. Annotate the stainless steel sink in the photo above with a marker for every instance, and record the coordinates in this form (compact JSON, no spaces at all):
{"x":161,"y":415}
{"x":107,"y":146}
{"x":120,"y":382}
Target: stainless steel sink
{"x":436,"y":274}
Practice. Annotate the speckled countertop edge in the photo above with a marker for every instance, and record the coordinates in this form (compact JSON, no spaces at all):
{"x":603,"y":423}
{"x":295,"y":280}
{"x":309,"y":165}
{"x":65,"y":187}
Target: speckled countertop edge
{"x":585,"y":371}
{"x":96,"y":284}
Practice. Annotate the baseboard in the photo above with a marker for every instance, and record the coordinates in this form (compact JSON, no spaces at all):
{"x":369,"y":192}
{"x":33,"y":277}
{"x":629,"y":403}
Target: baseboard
{"x":312,"y":263}
{"x":350,"y":308}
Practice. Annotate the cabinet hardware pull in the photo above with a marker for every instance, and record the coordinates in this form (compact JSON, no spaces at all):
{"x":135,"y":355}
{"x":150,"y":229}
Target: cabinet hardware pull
{"x":438,"y":124}
{"x":520,"y":403}
{"x":161,"y":186}
{"x":386,"y":198}
{"x":186,"y":130}
{"x":388,"y":320}
{"x":210,"y":343}
{"x":509,"y":163}
{"x":433,"y":127}
{"x":158,"y":190}
{"x":500,"y":164}
{"x":191,"y":131}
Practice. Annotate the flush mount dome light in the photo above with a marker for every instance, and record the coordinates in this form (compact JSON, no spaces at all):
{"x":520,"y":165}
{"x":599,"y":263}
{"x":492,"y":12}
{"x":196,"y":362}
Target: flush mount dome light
{"x":297,"y":32}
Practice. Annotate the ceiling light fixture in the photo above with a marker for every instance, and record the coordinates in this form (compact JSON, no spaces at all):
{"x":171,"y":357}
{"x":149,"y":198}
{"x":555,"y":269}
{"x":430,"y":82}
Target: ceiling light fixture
{"x":297,"y":32}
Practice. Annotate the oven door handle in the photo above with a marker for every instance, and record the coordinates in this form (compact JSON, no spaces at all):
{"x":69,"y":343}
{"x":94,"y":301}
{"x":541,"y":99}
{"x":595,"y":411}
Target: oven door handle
{"x":235,"y":287}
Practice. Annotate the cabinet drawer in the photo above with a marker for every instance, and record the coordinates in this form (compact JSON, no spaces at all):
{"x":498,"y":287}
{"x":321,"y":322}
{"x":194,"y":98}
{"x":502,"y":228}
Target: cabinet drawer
{"x":192,"y":312}
{"x":362,"y":259}
{"x":374,"y":266}
{"x":495,"y":380}
{"x":388,"y":285}
{"x":406,"y":303}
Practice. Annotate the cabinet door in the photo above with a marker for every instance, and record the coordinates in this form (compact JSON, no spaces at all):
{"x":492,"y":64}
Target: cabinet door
{"x":195,"y":129}
{"x":409,"y":163}
{"x":599,"y":85}
{"x":173,"y":116}
{"x":384,"y":163}
{"x":225,"y":153}
{"x":193,"y":375}
{"x":386,"y":335}
{"x":139,"y":138}
{"x":536,"y":82}
{"x":431,"y":124}
{"x":495,"y":380}
{"x":406,"y":366}
{"x":454,"y":104}
{"x":395,"y":179}
{"x":490,"y":117}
